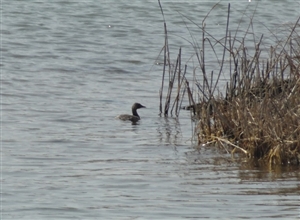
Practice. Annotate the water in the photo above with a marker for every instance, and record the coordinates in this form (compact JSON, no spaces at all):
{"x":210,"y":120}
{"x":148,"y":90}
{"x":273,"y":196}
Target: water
{"x":68,"y":68}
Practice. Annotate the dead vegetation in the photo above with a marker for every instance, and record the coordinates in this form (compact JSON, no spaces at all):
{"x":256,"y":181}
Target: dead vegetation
{"x":258,"y":114}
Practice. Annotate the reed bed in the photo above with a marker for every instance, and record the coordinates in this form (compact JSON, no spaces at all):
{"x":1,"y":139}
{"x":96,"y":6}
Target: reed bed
{"x":258,"y":113}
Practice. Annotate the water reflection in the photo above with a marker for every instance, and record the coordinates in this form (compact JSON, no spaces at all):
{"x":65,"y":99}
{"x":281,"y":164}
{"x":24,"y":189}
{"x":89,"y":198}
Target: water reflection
{"x":169,"y":131}
{"x":248,"y":170}
{"x":256,"y":171}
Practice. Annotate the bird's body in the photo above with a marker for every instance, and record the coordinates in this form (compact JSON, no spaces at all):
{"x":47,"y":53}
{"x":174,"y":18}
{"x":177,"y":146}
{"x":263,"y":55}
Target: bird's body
{"x":134,"y":117}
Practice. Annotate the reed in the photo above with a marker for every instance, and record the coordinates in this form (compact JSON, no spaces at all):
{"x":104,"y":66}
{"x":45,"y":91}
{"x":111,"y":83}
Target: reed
{"x":258,"y":114}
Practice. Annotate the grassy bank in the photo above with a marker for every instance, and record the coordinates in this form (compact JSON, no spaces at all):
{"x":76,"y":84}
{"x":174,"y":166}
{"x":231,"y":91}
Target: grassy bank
{"x":258,"y":113}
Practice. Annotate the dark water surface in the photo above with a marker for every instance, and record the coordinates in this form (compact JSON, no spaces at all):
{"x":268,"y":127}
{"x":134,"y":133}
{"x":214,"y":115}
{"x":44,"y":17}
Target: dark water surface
{"x":68,"y":68}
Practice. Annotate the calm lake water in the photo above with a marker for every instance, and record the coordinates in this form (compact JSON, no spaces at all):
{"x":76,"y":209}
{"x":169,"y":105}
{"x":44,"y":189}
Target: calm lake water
{"x":69,"y":67}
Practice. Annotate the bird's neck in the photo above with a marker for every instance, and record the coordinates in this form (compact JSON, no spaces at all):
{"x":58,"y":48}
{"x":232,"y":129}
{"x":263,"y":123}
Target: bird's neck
{"x":134,"y":112}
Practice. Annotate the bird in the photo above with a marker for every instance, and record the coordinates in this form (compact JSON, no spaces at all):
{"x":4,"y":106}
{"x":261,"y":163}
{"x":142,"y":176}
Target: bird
{"x":134,"y":117}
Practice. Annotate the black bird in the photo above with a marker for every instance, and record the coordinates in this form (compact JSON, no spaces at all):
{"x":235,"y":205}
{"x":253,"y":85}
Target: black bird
{"x":134,"y":117}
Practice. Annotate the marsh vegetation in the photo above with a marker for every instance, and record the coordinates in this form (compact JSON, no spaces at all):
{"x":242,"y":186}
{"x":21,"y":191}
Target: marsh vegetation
{"x":257,"y":114}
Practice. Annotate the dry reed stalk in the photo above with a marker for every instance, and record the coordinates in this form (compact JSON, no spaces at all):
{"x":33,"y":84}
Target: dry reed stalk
{"x":173,"y":74}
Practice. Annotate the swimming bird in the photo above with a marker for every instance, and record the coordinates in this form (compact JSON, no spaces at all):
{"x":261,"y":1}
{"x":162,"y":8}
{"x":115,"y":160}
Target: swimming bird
{"x":134,"y":117}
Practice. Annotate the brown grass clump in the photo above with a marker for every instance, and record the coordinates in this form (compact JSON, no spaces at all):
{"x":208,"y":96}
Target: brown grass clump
{"x":259,"y":112}
{"x":266,"y":126}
